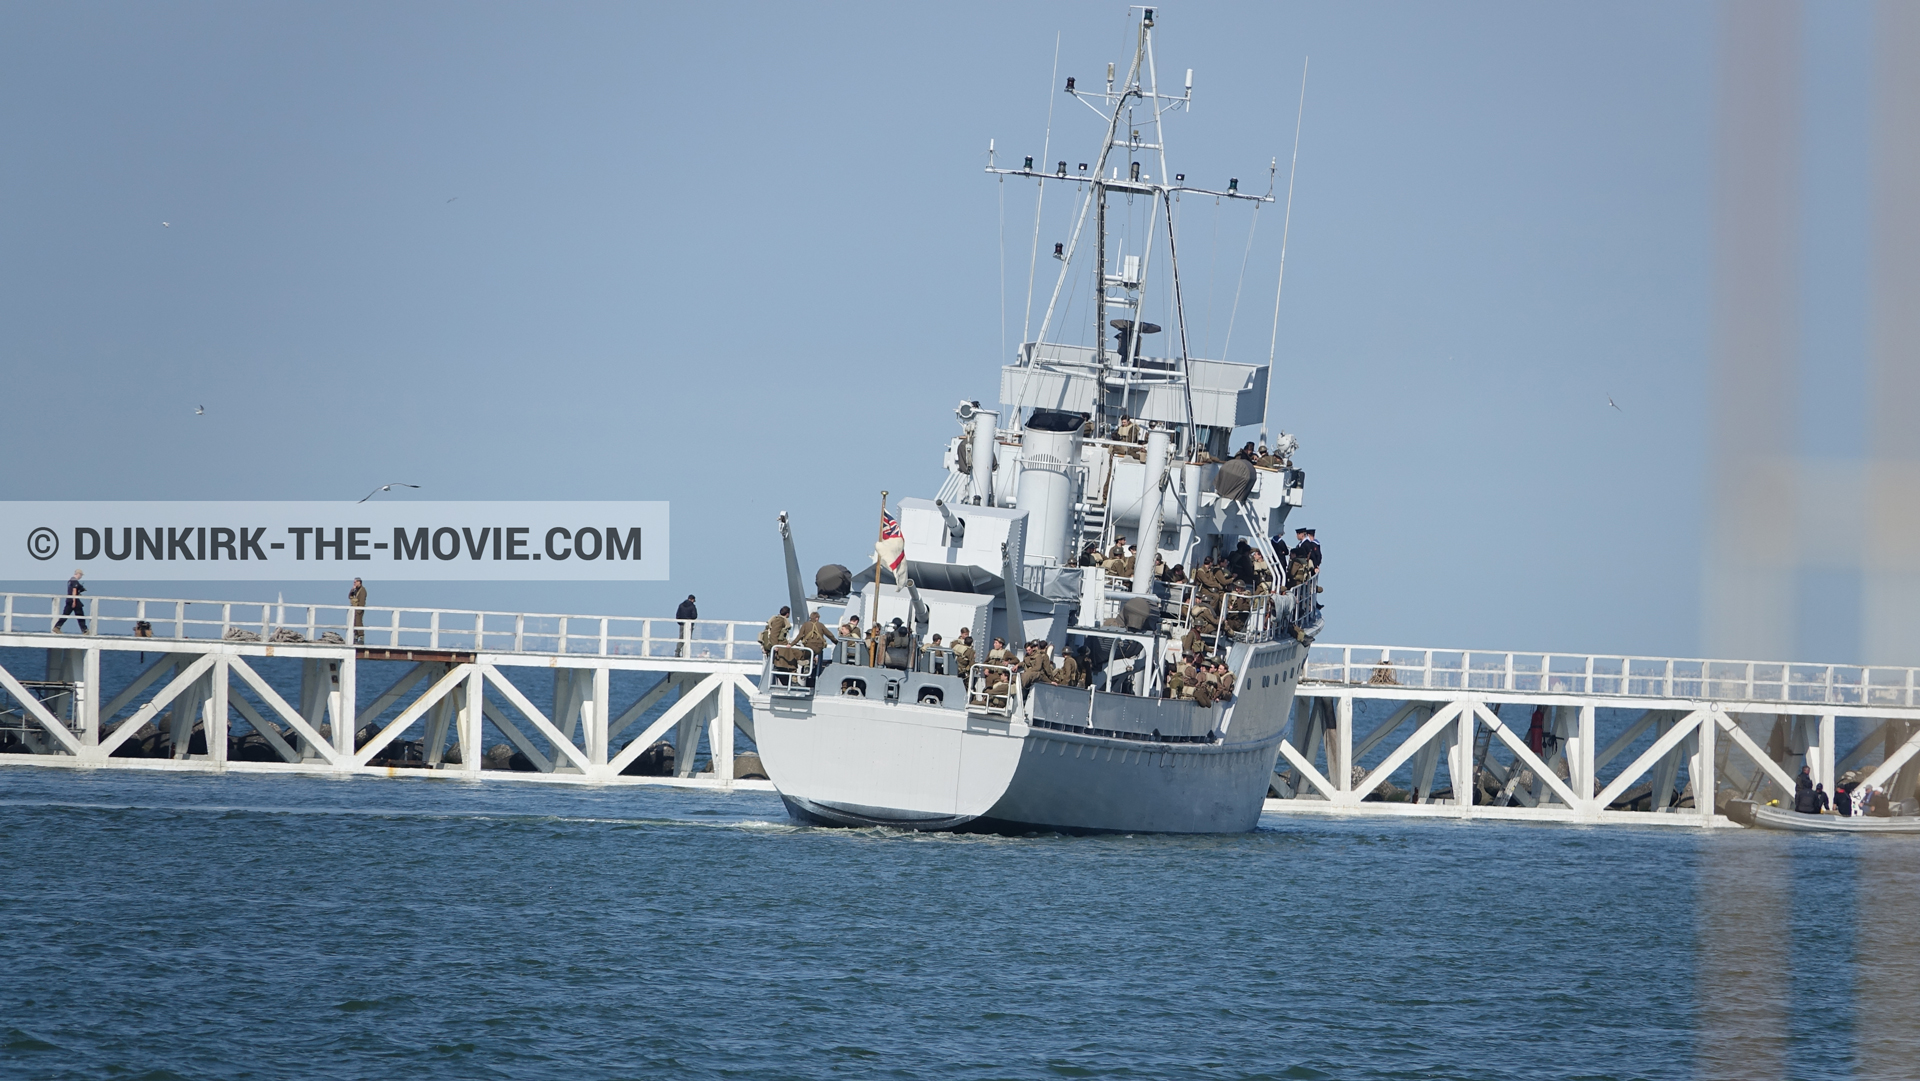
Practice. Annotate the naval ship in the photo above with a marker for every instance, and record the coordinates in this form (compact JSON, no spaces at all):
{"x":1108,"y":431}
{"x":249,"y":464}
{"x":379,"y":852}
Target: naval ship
{"x":1093,"y":446}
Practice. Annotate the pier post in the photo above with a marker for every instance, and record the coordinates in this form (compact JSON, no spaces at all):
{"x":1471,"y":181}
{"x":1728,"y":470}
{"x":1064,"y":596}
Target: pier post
{"x":471,"y":752}
{"x":216,"y":726}
{"x":345,"y":704}
{"x":1703,"y":770}
{"x":720,"y":737}
{"x":1589,"y":785}
{"x":87,"y":698}
{"x":1342,"y":777}
{"x":1823,"y":772}
{"x":598,"y":716}
{"x":1461,"y":765}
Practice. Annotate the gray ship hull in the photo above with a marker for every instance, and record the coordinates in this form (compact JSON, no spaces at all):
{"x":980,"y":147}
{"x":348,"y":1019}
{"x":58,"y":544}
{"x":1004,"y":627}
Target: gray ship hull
{"x":857,"y":762}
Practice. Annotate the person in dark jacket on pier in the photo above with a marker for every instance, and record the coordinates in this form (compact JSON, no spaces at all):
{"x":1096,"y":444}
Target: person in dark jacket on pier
{"x":73,"y":606}
{"x":357,"y":600}
{"x":686,"y":614}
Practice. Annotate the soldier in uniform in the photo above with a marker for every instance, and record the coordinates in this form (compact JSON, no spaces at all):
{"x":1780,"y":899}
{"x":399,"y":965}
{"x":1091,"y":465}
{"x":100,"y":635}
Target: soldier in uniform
{"x":963,"y":651}
{"x":1193,"y":641}
{"x":999,"y":654}
{"x":774,"y":641}
{"x":1262,"y":574}
{"x":815,"y":636}
{"x":1038,"y":665}
{"x":1175,"y":682}
{"x":1068,"y":674}
{"x":1240,"y":565}
{"x":1206,"y":577}
{"x":776,"y":632}
{"x":1203,"y":692}
{"x":997,"y":681}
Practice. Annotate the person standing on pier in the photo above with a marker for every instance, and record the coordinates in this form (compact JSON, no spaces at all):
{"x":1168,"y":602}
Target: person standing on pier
{"x":73,"y":606}
{"x":357,"y":600}
{"x":686,"y":614}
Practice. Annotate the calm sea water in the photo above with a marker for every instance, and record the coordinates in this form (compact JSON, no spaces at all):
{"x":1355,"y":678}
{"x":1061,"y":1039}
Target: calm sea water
{"x":157,"y":926}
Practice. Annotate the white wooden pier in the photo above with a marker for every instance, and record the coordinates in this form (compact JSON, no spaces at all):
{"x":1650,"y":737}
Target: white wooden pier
{"x":1467,"y":714}
{"x":455,"y":680}
{"x":292,"y":674}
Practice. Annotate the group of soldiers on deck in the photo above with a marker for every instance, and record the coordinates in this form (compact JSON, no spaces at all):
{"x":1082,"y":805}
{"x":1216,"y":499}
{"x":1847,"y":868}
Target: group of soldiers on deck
{"x":1133,"y":434}
{"x":1195,"y":675}
{"x":1202,"y":680}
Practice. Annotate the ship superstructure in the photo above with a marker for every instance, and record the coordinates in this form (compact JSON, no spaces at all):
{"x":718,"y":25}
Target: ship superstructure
{"x":1099,"y":513}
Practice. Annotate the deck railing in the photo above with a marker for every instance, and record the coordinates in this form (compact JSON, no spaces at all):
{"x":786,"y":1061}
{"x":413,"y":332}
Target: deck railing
{"x":461,"y":630}
{"x":1622,"y":676}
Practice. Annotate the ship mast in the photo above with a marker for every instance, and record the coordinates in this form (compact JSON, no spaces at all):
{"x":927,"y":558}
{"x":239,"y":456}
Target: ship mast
{"x":1140,"y":86}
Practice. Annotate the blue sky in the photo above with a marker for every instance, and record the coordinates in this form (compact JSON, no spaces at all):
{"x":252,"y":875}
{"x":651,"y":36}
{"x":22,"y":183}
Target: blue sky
{"x":743,"y":258}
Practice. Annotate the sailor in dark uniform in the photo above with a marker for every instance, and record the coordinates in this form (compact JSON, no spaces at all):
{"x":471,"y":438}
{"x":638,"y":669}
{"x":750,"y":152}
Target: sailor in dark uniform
{"x":1305,"y":559}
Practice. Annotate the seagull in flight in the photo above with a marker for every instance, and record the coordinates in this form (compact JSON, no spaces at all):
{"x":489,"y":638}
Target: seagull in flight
{"x":1610,"y":402}
{"x":199,"y":410}
{"x":166,"y":225}
{"x":451,"y":200}
{"x":386,"y":488}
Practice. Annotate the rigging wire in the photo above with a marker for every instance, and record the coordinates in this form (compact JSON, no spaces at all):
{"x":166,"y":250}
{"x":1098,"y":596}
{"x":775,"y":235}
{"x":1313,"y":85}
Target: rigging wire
{"x":1213,"y":260}
{"x":1292,"y":170}
{"x":1255,"y":224}
{"x":1040,"y":198}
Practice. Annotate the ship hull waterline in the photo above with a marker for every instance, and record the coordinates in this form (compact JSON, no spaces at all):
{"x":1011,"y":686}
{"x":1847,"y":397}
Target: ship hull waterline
{"x":862,"y":764}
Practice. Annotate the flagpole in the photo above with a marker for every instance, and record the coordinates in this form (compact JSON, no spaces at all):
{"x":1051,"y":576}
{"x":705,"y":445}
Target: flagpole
{"x":876,"y":573}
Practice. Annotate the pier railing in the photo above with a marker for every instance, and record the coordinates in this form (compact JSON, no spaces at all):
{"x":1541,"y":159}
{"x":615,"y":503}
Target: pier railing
{"x":1622,"y":676}
{"x":460,"y":630}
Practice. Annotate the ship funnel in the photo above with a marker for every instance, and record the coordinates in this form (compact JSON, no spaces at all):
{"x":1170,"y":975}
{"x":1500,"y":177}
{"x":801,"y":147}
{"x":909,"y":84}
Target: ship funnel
{"x":1050,"y":482}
